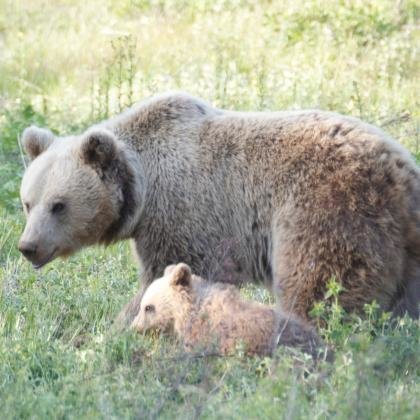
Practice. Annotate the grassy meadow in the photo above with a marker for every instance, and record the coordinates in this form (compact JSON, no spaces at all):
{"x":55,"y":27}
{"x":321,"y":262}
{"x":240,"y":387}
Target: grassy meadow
{"x":66,"y":64}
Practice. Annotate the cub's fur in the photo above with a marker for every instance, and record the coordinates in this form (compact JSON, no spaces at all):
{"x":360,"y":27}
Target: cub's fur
{"x":213,"y":316}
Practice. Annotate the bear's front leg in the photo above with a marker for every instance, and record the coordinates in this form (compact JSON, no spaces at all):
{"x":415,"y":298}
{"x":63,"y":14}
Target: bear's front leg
{"x":130,"y":310}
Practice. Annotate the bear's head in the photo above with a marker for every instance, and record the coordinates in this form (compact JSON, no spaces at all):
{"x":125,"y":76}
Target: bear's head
{"x":167,"y":301}
{"x":77,"y":191}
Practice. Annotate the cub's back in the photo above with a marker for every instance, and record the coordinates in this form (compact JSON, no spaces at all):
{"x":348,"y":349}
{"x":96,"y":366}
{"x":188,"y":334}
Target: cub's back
{"x":232,"y":320}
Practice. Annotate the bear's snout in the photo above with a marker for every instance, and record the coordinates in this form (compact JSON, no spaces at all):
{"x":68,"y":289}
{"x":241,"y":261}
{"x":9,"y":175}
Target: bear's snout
{"x":37,"y":256}
{"x":28,"y":249}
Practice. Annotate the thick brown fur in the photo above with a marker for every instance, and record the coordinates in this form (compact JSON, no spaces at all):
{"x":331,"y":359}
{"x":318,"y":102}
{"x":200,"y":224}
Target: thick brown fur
{"x":288,"y":198}
{"x":214,"y":317}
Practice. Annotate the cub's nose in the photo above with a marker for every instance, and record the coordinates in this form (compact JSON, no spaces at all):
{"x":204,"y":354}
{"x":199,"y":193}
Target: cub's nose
{"x":28,"y":249}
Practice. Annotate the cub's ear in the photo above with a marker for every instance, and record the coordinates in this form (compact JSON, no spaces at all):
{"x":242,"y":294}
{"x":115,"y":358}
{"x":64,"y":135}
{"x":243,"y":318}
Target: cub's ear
{"x":99,"y":147}
{"x":181,"y":276}
{"x":169,"y":269}
{"x":36,"y":140}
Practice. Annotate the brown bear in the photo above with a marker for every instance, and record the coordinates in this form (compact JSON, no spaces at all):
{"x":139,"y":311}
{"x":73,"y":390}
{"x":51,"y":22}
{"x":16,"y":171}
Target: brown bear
{"x":213,"y":317}
{"x":287,"y":198}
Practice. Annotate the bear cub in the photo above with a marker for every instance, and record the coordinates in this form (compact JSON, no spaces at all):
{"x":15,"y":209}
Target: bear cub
{"x":214,"y":317}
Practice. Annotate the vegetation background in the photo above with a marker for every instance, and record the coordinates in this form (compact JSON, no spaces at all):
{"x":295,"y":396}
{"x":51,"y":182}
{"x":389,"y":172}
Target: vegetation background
{"x":66,"y":64}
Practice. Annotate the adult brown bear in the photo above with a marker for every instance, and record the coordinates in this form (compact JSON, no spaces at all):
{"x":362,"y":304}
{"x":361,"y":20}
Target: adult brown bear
{"x":290,"y":198}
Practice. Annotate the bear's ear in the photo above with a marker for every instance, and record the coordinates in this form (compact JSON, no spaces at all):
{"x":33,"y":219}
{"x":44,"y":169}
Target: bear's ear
{"x":36,"y":140}
{"x":181,"y":276}
{"x":99,"y":147}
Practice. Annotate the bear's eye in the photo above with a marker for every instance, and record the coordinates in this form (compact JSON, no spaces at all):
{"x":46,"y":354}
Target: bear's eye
{"x":57,"y":208}
{"x":27,"y":207}
{"x":149,"y":308}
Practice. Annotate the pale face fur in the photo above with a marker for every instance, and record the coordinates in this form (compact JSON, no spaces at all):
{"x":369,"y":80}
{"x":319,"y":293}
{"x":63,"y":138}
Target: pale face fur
{"x":163,"y":302}
{"x":67,"y":199}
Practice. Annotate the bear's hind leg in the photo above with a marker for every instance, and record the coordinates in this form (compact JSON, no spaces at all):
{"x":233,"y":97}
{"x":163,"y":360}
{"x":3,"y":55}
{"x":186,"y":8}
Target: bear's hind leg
{"x":363,"y":255}
{"x":408,"y":300}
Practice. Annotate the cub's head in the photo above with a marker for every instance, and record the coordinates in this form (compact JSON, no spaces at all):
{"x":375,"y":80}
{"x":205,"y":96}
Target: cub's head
{"x":77,"y":191}
{"x":166,"y":301}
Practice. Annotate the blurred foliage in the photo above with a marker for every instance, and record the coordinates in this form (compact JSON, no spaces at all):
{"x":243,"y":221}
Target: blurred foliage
{"x":65,"y":65}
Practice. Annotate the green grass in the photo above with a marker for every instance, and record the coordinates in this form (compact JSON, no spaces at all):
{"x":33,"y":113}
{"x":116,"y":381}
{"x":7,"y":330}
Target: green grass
{"x":67,"y":64}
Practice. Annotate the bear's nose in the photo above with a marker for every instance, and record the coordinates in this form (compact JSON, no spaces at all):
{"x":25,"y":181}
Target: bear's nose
{"x":28,"y":249}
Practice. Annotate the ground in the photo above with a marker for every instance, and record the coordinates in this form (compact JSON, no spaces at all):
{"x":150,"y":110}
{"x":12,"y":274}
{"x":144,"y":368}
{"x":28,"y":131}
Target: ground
{"x":67,"y":64}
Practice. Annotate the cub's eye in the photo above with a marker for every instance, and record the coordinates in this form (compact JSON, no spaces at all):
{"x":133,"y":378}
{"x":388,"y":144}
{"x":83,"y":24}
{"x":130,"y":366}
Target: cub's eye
{"x":27,"y":207}
{"x":149,"y":308}
{"x":57,"y":208}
